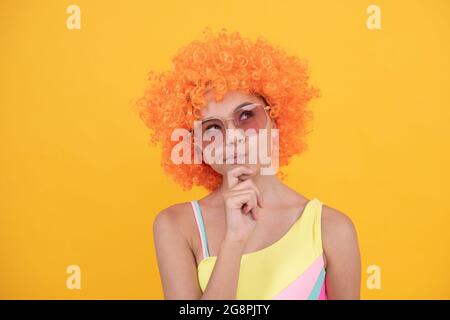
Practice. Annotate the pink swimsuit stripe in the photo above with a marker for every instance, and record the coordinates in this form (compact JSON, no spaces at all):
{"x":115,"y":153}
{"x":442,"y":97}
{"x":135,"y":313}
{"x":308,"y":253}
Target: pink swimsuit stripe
{"x":305,"y":286}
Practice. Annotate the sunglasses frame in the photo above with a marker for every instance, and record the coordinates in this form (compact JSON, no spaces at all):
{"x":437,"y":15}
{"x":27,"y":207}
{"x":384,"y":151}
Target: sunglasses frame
{"x":225,"y":120}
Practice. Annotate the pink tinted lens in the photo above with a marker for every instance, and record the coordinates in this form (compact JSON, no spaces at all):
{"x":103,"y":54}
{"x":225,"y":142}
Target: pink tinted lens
{"x":252,"y":116}
{"x":210,"y":129}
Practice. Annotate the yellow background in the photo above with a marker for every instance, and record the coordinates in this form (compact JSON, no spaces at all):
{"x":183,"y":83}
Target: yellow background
{"x":80,"y":185}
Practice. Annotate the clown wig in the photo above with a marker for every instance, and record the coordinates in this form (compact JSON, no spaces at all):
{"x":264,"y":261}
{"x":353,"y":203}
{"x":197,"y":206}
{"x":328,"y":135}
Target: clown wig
{"x":226,"y":61}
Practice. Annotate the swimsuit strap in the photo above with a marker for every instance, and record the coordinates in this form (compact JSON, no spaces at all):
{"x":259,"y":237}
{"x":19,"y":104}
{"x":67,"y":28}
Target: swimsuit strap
{"x":201,"y":227}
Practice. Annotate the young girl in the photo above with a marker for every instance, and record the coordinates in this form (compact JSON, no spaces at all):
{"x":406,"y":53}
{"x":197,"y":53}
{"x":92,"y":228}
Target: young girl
{"x":251,"y":237}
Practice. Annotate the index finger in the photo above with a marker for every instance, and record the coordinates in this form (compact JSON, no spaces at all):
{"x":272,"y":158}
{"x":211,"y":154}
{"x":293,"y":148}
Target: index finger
{"x":234,"y":174}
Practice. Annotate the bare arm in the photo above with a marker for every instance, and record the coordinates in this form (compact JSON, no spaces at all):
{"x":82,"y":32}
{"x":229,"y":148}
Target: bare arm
{"x":176,"y":259}
{"x":177,"y":265}
{"x":340,"y":242}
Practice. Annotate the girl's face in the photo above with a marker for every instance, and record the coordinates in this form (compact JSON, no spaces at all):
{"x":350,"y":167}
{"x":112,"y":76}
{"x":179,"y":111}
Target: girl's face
{"x":242,"y":121}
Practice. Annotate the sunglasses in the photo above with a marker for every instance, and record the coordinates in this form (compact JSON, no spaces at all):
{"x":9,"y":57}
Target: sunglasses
{"x":252,"y":116}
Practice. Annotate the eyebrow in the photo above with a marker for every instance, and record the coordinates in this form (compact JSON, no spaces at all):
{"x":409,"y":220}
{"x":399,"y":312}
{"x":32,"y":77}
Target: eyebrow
{"x":243,"y":104}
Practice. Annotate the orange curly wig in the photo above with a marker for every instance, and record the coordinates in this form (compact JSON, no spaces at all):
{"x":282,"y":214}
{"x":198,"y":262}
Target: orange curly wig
{"x":222,"y":62}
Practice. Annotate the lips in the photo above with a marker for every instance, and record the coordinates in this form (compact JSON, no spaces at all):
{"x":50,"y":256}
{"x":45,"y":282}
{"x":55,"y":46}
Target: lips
{"x":234,"y":158}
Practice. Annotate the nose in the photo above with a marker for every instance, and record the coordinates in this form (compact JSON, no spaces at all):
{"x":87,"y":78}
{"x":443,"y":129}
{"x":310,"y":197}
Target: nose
{"x":233,"y":134}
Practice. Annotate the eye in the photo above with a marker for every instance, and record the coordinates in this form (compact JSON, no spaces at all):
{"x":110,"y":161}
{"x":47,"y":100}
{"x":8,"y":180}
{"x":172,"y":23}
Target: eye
{"x":212,"y":127}
{"x":245,"y":115}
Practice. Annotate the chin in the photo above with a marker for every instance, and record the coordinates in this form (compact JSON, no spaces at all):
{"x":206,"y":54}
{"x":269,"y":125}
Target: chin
{"x":229,"y":166}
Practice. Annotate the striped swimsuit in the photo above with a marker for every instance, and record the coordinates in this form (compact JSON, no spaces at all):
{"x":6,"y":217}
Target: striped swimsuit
{"x":292,"y":268}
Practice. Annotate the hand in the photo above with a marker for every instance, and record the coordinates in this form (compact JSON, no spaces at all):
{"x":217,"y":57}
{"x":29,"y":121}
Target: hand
{"x":242,"y":202}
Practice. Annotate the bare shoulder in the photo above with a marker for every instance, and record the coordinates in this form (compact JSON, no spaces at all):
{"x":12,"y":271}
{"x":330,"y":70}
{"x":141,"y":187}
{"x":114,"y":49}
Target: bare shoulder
{"x":342,"y":256}
{"x":173,"y":220}
{"x":338,"y":229}
{"x":336,"y":221}
{"x":174,"y":253}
